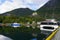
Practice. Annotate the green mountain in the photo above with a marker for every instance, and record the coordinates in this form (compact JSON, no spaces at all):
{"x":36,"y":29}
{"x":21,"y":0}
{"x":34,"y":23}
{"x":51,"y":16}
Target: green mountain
{"x":49,"y":10}
{"x":19,"y":12}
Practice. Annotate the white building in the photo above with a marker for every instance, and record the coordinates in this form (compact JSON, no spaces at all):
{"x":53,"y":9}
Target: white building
{"x":38,"y":24}
{"x":34,"y":14}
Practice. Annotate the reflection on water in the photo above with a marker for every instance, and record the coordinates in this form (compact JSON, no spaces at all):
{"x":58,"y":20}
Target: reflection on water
{"x":34,"y":39}
{"x":22,"y":33}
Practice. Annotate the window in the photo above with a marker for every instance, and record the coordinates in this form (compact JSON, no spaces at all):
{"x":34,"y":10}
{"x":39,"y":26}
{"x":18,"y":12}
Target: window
{"x":48,"y":23}
{"x":45,"y":27}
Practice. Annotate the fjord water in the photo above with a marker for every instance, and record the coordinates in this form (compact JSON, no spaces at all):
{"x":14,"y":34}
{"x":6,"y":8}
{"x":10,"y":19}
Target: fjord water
{"x":22,"y":33}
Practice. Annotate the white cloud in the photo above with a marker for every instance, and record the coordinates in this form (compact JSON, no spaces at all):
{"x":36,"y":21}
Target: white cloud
{"x":31,"y":4}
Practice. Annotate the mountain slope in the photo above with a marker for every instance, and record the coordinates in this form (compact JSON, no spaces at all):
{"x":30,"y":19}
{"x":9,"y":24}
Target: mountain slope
{"x":19,"y":12}
{"x":49,"y":10}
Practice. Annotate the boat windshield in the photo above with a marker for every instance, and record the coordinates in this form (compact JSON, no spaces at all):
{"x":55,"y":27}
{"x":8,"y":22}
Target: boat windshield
{"x":48,"y":23}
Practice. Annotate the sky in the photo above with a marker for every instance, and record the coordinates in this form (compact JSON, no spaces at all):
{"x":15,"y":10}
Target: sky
{"x":9,"y":5}
{"x":3,"y":1}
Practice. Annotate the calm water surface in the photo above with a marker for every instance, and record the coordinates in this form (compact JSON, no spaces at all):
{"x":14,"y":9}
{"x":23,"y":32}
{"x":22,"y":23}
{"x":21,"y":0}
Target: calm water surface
{"x":19,"y":35}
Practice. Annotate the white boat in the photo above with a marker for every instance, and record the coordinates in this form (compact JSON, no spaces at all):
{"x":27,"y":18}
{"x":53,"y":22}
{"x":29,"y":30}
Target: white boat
{"x":49,"y":25}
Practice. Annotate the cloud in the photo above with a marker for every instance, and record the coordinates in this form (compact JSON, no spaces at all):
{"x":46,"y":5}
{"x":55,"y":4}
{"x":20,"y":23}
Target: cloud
{"x":9,"y":5}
